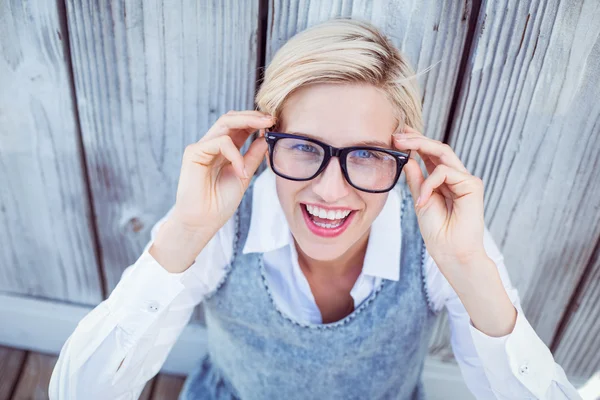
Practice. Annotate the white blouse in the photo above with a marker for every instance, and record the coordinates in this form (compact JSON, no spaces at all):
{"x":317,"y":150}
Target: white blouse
{"x":144,"y":315}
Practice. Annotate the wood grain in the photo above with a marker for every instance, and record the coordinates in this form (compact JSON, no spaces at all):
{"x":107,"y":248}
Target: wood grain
{"x":47,"y":247}
{"x":35,"y":378}
{"x":147,"y":392}
{"x":528,"y":124}
{"x":11,"y":361}
{"x":167,"y":387}
{"x":151,"y":79}
{"x":578,"y":346}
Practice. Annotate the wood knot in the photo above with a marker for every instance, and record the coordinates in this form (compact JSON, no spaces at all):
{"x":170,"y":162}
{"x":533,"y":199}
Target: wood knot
{"x":136,"y":224}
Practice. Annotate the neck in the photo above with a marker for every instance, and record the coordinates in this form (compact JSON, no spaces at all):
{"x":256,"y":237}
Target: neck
{"x":349,"y":263}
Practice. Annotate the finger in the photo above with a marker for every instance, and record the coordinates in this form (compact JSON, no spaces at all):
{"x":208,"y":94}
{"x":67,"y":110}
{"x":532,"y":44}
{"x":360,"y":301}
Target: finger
{"x":247,"y":112}
{"x":207,"y":152}
{"x":402,"y":132}
{"x":414,"y":177}
{"x":458,"y":182}
{"x":243,"y":125}
{"x":430,"y":147}
{"x":254,"y":155}
{"x":409,"y":129}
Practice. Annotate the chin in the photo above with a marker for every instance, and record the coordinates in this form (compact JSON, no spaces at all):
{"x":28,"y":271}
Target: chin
{"x":317,"y":250}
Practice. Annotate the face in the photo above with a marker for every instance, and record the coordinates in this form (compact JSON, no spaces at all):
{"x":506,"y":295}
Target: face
{"x":339,"y":115}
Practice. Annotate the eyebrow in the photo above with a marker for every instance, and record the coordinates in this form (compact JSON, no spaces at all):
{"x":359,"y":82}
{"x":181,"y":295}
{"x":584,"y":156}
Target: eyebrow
{"x":373,"y":143}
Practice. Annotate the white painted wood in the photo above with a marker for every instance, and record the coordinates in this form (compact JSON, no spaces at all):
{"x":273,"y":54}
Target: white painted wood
{"x":528,"y":124}
{"x":578,"y":348}
{"x":150,"y":79}
{"x":47,"y":248}
{"x":44,"y":326}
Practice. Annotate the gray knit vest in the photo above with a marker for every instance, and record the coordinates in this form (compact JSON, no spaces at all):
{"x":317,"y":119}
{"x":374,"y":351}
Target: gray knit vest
{"x":257,"y":352}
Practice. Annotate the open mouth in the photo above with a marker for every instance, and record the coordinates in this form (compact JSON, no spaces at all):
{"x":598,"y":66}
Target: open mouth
{"x":326,"y":222}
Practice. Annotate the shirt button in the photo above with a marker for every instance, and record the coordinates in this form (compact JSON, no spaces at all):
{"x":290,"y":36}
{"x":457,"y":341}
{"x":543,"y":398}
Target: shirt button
{"x":524,"y":369}
{"x":153,"y":307}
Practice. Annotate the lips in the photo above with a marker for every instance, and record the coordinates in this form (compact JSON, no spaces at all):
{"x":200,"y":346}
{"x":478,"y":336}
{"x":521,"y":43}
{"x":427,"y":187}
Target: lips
{"x":326,"y":222}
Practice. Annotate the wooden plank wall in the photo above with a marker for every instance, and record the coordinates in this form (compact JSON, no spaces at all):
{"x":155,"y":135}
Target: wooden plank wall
{"x":528,"y":124}
{"x":45,"y":222}
{"x":111,"y":92}
{"x":151,"y":78}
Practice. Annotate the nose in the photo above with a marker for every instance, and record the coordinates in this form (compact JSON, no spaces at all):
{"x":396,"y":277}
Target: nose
{"x":331,"y":185}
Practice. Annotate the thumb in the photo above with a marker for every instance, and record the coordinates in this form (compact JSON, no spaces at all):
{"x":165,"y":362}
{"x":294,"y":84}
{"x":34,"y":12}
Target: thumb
{"x":254,"y":155}
{"x":414,"y":177}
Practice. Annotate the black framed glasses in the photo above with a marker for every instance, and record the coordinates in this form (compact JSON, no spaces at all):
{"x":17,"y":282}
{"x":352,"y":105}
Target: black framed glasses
{"x":366,"y":168}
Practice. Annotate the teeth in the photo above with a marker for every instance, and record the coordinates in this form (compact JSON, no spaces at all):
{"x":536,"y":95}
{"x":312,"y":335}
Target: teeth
{"x":328,"y":225}
{"x":327,"y":214}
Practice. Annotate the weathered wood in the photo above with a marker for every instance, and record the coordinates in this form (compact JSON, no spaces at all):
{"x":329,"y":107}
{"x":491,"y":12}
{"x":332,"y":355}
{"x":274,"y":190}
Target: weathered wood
{"x":47,"y":248}
{"x":11,"y":361}
{"x":528,"y":124}
{"x":147,"y":392}
{"x":578,"y":347}
{"x":167,"y":387}
{"x":429,"y":33}
{"x":35,"y":378}
{"x":151,"y":79}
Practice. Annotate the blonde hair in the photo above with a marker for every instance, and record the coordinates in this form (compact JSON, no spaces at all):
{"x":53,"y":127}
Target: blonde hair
{"x":342,"y":50}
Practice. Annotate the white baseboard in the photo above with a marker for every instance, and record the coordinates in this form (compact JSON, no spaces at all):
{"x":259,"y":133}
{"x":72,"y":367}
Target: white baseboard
{"x":43,"y":326}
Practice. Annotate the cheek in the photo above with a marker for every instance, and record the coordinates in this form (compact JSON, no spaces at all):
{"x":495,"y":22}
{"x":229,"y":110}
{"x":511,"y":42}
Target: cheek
{"x":288,"y":193}
{"x":373,"y":203}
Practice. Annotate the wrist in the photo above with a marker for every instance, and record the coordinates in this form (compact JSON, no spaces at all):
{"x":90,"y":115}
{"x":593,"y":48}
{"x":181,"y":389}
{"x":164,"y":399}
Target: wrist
{"x":176,"y":246}
{"x":480,"y":289}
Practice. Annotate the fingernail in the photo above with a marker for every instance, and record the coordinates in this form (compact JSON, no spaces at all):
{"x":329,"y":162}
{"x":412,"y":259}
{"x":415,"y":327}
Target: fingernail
{"x":266,"y":117}
{"x":245,"y":173}
{"x":418,"y":199}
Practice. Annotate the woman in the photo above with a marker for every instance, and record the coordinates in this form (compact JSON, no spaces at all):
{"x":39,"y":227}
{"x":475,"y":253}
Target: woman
{"x":322,"y":277}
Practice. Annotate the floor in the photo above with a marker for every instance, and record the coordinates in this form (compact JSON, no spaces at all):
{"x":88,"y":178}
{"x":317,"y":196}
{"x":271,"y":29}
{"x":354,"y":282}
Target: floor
{"x":25,"y":375}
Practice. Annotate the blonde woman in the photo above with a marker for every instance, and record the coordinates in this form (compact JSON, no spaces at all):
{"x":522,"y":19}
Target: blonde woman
{"x":322,"y":277}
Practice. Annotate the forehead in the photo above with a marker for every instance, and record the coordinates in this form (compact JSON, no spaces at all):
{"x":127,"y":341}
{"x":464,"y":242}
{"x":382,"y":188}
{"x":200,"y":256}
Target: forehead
{"x":341,"y":115}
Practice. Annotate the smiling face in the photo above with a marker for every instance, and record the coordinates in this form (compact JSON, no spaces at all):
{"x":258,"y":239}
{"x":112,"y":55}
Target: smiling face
{"x":341,"y":116}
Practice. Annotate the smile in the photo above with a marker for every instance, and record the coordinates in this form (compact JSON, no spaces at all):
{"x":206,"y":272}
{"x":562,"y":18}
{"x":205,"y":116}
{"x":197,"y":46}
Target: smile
{"x":326,"y":222}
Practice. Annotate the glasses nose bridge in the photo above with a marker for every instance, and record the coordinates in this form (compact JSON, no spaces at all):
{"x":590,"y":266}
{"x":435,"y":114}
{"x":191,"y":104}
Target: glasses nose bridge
{"x":335,"y":151}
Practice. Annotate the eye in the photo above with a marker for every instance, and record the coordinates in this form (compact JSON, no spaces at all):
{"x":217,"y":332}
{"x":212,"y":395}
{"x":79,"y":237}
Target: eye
{"x":305,"y":147}
{"x":366,"y":154}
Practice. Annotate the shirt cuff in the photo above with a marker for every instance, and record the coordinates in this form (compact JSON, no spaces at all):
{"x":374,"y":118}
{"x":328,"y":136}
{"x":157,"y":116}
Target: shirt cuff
{"x":142,"y":295}
{"x":521,"y":354}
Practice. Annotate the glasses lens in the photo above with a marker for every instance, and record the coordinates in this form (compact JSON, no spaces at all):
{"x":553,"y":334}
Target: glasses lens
{"x":297,"y":158}
{"x":371,"y":169}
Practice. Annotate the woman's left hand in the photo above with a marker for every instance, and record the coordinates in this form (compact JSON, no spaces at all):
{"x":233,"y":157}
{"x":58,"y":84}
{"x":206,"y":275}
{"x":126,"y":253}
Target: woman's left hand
{"x":450,"y":201}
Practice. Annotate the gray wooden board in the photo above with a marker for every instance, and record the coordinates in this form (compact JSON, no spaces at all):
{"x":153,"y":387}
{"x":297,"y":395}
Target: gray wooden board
{"x":578,"y":349}
{"x":47,"y":248}
{"x":430,"y":34}
{"x":167,"y":387}
{"x":11,"y":361}
{"x":35,"y":378}
{"x":150,"y":79}
{"x":147,"y":392}
{"x":528,"y":124}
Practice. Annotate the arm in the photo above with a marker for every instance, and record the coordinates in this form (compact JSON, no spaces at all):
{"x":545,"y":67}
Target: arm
{"x":515,"y":365}
{"x":123,"y":342}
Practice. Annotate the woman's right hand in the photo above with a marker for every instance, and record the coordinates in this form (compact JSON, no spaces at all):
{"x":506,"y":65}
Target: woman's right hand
{"x":214,"y":174}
